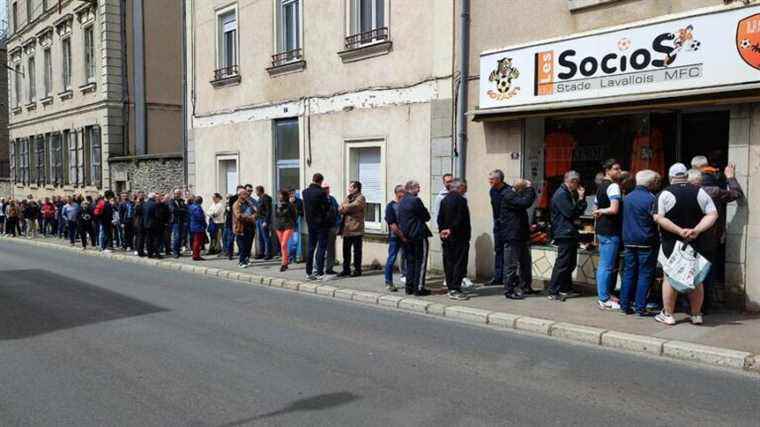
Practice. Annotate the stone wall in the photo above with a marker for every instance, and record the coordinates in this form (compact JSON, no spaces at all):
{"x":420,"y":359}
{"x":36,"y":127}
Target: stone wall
{"x":161,"y":173}
{"x":6,"y":188}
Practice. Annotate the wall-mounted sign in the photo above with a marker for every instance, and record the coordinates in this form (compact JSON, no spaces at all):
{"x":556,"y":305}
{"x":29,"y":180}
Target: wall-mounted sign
{"x":718,"y":50}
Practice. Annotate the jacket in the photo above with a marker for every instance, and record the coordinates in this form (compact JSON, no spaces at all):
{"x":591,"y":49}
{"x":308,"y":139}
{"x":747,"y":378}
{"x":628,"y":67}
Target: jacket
{"x":454,"y":215}
{"x":71,"y":211}
{"x":126,"y":212}
{"x":48,"y":211}
{"x":265,"y":208}
{"x":721,"y":196}
{"x":216,"y":213}
{"x":352,"y":209}
{"x":137,"y":218}
{"x":178,"y":211}
{"x":150,"y":215}
{"x":565,"y":210}
{"x":639,"y":227}
{"x":316,"y":206}
{"x":285,"y":216}
{"x":163,"y":214}
{"x":412,"y":218}
{"x":12,"y":211}
{"x":513,"y":214}
{"x":243,"y":216}
{"x":197,"y":218}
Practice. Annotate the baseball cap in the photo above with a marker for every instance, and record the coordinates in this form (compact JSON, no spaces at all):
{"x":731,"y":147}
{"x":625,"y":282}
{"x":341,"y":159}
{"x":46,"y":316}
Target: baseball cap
{"x":678,"y":170}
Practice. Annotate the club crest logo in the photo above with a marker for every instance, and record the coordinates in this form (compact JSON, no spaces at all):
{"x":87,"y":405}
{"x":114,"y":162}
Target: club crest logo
{"x":503,"y":77}
{"x":748,"y":40}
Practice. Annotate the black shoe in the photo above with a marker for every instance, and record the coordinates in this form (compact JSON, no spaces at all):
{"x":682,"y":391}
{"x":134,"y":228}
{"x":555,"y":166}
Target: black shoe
{"x":229,"y":257}
{"x":513,"y":295}
{"x":159,"y":257}
{"x":409,"y":291}
{"x":344,"y":274}
{"x":331,"y":272}
{"x":569,"y":294}
{"x":356,"y":274}
{"x":422,"y":293}
{"x":495,"y":282}
{"x":259,"y":257}
{"x":531,"y":291}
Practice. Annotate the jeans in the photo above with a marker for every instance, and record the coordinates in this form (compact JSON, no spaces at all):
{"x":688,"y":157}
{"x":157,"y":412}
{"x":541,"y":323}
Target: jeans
{"x":518,"y":266}
{"x":72,"y":232}
{"x":567,"y":261}
{"x":104,"y":235}
{"x":229,"y":241}
{"x":244,"y":246}
{"x":640,"y":265}
{"x":498,"y":265}
{"x":609,"y":248}
{"x":49,"y":226}
{"x":394,"y":247}
{"x":332,"y":234}
{"x":317,"y":249}
{"x":265,"y":237}
{"x":178,"y":237}
{"x":355,"y":242}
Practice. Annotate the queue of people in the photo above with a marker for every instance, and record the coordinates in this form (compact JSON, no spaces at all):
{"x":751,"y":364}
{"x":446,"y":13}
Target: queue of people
{"x":634,"y":216}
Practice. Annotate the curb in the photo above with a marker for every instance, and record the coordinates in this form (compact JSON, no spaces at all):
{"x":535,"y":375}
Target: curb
{"x":630,"y":343}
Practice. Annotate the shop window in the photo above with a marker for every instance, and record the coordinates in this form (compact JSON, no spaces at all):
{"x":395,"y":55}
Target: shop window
{"x":286,"y":151}
{"x":228,"y":176}
{"x":365,"y":164}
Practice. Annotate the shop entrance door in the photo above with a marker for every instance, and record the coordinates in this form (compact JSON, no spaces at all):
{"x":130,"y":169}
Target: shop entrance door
{"x":705,"y":133}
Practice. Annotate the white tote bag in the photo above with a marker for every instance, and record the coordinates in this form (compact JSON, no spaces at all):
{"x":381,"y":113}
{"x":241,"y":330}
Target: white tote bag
{"x":685,"y":268}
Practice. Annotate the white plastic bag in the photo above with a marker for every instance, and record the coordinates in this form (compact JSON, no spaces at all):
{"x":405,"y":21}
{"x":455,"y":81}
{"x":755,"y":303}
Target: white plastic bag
{"x":685,"y":268}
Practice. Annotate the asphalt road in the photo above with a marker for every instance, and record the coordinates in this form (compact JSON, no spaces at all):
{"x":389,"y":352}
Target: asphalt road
{"x":92,"y":342}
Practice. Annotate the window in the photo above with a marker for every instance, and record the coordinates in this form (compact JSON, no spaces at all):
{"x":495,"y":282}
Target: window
{"x":89,"y":54}
{"x":93,"y":141}
{"x":365,"y":164}
{"x":12,"y":161}
{"x":286,"y":151}
{"x":228,"y":51}
{"x":367,"y":22}
{"x":32,"y":80}
{"x":48,"y":73}
{"x":228,"y":174}
{"x":23,"y":160}
{"x":14,"y":17}
{"x":66,"y":63}
{"x":55,"y":175}
{"x":28,"y":11}
{"x":288,"y":31}
{"x":17,"y":85}
{"x":79,"y":140}
{"x":44,"y":5}
{"x":39,"y":160}
{"x":71,"y":144}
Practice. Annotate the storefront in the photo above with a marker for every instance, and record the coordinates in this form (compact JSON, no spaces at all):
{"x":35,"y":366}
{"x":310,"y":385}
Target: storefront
{"x":647,"y":94}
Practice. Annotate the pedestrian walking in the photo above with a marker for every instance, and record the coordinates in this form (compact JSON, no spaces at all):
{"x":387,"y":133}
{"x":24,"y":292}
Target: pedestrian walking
{"x":316,"y":207}
{"x":244,"y":224}
{"x":197,"y":227}
{"x":608,"y":229}
{"x":285,"y":217}
{"x":352,"y":231}
{"x":412,"y":219}
{"x":396,"y":238}
{"x":515,"y":233}
{"x":496,"y":194}
{"x":567,"y":205}
{"x":455,"y":231}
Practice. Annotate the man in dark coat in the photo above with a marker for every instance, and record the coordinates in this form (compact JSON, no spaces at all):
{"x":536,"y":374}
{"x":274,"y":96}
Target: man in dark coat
{"x":151,"y":225}
{"x":568,"y":204}
{"x":412,"y":219}
{"x":515,"y":233}
{"x":455,"y":231}
{"x":316,"y":207}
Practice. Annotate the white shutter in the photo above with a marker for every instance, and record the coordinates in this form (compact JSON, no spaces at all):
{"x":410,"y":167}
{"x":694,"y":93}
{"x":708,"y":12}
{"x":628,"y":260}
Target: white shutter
{"x":229,"y":23}
{"x":369,"y":174}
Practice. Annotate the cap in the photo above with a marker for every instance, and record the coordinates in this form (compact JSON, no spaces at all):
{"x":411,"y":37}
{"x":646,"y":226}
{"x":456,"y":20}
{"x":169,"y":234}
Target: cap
{"x":678,"y":170}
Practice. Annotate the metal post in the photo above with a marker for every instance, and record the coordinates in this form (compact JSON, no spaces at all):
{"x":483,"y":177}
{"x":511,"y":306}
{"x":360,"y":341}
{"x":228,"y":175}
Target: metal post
{"x":464,"y":73}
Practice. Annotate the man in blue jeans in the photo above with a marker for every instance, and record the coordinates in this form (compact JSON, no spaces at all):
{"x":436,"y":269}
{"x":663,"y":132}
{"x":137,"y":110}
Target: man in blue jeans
{"x":178,"y":222}
{"x":263,"y":223}
{"x":641,"y":242}
{"x":395,"y":237}
{"x":608,"y":227}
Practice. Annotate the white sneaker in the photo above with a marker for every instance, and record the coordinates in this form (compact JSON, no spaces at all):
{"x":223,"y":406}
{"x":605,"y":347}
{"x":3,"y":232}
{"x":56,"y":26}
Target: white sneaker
{"x":609,"y":305}
{"x":107,"y":251}
{"x":665,"y":318}
{"x":467,"y":283}
{"x":402,"y":280}
{"x":696,"y":319}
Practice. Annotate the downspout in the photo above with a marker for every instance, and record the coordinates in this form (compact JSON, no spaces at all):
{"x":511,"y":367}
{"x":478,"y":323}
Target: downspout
{"x":139,"y":76}
{"x":464,"y":74}
{"x":184,"y":92}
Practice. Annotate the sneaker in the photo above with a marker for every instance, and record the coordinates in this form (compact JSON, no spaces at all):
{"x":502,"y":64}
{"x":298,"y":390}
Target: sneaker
{"x":244,"y":265}
{"x":696,"y":319}
{"x":467,"y":284}
{"x":390,"y":287}
{"x":570,"y":294}
{"x":402,"y":280}
{"x":665,"y":318}
{"x":554,"y":297}
{"x":513,"y":295}
{"x":107,"y":251}
{"x":311,"y":277}
{"x":608,"y":305}
{"x":458,"y":296}
{"x":319,"y":277}
{"x":283,"y":268}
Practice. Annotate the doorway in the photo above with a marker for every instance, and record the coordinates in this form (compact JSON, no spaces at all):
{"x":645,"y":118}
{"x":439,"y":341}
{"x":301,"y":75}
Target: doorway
{"x":706,"y":134}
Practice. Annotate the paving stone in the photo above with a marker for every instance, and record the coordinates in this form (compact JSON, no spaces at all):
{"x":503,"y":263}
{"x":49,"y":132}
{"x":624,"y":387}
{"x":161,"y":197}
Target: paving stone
{"x":532,"y":324}
{"x":632,"y":342}
{"x":309,"y":288}
{"x":414,"y":304}
{"x":290,"y":284}
{"x":366,"y":297}
{"x":503,"y":320}
{"x":437,"y":309}
{"x":326,"y":290}
{"x":389,"y":301}
{"x":467,"y":314}
{"x":276,"y":283}
{"x":574,"y":332}
{"x":347,"y":294}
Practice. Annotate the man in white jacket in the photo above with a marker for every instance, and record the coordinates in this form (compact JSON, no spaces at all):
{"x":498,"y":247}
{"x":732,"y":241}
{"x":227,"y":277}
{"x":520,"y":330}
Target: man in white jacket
{"x":216,"y":224}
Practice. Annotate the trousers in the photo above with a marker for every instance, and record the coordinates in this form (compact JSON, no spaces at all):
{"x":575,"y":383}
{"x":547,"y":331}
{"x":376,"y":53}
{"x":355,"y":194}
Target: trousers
{"x":455,"y":256}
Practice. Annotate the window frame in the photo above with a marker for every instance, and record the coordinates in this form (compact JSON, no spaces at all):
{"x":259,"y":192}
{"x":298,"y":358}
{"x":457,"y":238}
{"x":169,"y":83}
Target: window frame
{"x":226,"y":157}
{"x":40,"y":160}
{"x":379,"y":226}
{"x":221,"y":52}
{"x":28,"y":12}
{"x":73,"y":176}
{"x":32,"y":79}
{"x":47,"y":59}
{"x":353,"y":19}
{"x":14,"y":17}
{"x":88,"y":53}
{"x":17,"y":85}
{"x":282,"y":29}
{"x":66,"y":71}
{"x":93,"y":143}
{"x":286,"y":163}
{"x":12,"y":160}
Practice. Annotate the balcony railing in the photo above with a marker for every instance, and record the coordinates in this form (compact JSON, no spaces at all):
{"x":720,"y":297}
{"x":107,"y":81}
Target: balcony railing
{"x":357,"y":40}
{"x":226,"y":72}
{"x":287,"y":56}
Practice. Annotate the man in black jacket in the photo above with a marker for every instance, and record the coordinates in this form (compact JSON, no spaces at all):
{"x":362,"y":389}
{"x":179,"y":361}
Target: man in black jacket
{"x":568,"y":204}
{"x":412,"y":219}
{"x":455,"y":231}
{"x":316,"y":207}
{"x":264,"y":223}
{"x":515,"y":233}
{"x":179,"y":222}
{"x":151,"y":225}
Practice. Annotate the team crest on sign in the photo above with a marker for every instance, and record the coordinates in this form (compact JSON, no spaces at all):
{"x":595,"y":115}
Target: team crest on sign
{"x":503,"y":77}
{"x":748,"y":40}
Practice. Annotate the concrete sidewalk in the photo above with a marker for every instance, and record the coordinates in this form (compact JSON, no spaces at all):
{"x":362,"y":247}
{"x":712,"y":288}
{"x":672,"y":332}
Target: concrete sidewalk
{"x":732,"y":339}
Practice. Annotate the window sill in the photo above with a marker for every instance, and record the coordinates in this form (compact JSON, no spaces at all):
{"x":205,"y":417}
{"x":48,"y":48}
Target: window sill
{"x":17,"y":110}
{"x":576,"y":5}
{"x":67,"y":94}
{"x":46,"y":100}
{"x":287,"y":68}
{"x":366,"y":51}
{"x":88,"y":87}
{"x":31,"y":106}
{"x":232,"y":80}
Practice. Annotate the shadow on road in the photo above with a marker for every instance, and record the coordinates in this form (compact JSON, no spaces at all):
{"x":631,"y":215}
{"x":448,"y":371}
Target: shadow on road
{"x":34,"y":302}
{"x":315,"y":403}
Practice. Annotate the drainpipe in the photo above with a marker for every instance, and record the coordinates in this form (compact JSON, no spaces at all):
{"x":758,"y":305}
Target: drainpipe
{"x":184,"y":92}
{"x":139,"y":76}
{"x":464,"y":73}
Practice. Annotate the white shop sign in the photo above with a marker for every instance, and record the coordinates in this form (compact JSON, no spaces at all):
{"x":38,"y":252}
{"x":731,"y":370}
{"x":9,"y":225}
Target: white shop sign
{"x":717,"y":51}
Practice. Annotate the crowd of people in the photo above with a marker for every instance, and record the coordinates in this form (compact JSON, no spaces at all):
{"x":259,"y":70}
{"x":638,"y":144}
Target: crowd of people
{"x":633,"y":215}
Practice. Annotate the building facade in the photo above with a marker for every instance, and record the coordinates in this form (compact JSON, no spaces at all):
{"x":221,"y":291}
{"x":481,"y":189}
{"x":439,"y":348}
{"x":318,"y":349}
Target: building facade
{"x":95,"y":96}
{"x":562,"y":84}
{"x":356,"y":90}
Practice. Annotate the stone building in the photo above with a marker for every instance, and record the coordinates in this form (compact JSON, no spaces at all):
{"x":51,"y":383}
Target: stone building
{"x":356,"y":90}
{"x":5,"y":182}
{"x":95,"y":95}
{"x":561,"y":84}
